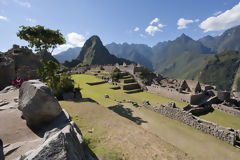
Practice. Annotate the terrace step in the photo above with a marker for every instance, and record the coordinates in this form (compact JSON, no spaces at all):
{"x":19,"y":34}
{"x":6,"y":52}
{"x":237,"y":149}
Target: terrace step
{"x":133,"y":91}
{"x":130,"y":86}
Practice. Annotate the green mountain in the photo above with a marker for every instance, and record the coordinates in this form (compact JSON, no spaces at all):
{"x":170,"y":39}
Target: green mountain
{"x":139,"y":53}
{"x":67,"y":55}
{"x":95,"y":53}
{"x":229,"y":40}
{"x":222,"y":70}
{"x":182,"y":58}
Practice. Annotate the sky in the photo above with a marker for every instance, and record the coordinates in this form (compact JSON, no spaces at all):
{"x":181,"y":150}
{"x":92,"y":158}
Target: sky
{"x":132,"y":21}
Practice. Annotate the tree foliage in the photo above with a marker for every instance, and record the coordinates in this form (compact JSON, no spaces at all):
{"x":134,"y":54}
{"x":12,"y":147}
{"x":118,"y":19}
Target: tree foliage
{"x":56,"y":82}
{"x":41,"y":38}
{"x":115,"y":75}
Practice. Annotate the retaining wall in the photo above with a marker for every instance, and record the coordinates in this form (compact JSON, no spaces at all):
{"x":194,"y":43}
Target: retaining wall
{"x":226,"y":134}
{"x":226,"y":109}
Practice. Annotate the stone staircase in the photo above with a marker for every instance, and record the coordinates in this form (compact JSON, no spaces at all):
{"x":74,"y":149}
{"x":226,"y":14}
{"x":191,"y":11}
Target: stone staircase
{"x":128,"y":84}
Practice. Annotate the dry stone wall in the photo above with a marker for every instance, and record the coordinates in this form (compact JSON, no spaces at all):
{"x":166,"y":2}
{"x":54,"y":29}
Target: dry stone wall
{"x":226,"y":134}
{"x":226,"y":109}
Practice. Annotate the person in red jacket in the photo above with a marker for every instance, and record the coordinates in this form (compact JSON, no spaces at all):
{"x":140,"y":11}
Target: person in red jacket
{"x":18,"y":82}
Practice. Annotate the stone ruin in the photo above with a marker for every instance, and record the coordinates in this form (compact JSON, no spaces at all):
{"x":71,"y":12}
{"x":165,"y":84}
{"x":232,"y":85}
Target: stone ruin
{"x":18,"y":61}
{"x":228,"y":135}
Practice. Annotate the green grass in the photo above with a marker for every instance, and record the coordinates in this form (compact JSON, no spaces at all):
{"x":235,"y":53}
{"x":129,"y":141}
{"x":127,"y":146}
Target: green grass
{"x":223,"y":119}
{"x":97,"y":93}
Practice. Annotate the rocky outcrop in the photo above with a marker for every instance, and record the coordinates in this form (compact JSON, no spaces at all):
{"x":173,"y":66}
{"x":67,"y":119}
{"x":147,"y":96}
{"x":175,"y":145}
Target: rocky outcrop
{"x":7,"y":71}
{"x":37,"y":103}
{"x":66,"y":143}
{"x":1,"y":150}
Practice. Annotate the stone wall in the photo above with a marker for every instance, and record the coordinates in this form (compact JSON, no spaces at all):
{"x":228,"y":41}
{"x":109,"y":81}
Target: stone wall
{"x":226,"y":134}
{"x":7,"y":71}
{"x":173,"y":94}
{"x":196,"y":98}
{"x":169,"y":93}
{"x":226,"y":109}
{"x":130,"y":86}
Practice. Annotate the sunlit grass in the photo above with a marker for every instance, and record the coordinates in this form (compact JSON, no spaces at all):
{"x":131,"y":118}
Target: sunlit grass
{"x":97,"y":93}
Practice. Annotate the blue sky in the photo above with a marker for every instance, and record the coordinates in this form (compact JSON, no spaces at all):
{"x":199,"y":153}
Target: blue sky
{"x":131,"y":21}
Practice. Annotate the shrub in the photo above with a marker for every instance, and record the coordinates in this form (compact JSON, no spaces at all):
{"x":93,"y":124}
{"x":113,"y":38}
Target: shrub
{"x":115,"y":75}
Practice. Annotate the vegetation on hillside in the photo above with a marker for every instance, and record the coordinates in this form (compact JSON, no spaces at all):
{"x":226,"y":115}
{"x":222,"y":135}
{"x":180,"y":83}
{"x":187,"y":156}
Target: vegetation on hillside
{"x":220,"y":70}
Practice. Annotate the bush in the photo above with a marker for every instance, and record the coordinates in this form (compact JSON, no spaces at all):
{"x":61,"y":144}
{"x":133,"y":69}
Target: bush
{"x":57,"y":83}
{"x":115,"y":75}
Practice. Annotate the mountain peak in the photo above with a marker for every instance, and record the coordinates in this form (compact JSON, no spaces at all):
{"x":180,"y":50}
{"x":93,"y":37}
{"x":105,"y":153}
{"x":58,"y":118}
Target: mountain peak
{"x":94,"y":52}
{"x":184,"y":38}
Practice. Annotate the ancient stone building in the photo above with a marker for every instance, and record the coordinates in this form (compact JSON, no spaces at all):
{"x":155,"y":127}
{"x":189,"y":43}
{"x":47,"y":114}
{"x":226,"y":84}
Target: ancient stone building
{"x":194,"y":86}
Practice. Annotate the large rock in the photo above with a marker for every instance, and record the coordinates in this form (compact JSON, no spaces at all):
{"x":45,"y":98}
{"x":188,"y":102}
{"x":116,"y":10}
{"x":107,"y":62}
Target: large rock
{"x":37,"y":103}
{"x":63,"y":141}
{"x":7,"y":71}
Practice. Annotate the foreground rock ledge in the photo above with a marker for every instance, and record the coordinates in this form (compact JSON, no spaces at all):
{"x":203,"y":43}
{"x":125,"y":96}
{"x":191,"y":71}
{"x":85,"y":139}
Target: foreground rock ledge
{"x":37,"y":103}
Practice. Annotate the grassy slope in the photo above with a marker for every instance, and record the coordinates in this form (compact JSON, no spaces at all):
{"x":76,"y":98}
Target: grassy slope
{"x":221,"y":69}
{"x":97,"y":93}
{"x":223,"y":119}
{"x":180,"y":135}
{"x":115,"y":137}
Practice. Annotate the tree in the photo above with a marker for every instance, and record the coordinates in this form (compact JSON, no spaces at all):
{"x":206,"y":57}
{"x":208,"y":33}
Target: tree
{"x":56,"y":82}
{"x":41,"y":38}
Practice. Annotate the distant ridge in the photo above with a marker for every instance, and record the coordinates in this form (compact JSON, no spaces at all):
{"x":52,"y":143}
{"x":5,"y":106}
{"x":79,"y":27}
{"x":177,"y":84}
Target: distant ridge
{"x":67,"y":55}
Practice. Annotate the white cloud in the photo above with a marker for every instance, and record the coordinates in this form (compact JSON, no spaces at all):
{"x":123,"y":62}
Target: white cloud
{"x":3,"y":18}
{"x":24,"y":4}
{"x":76,"y":39}
{"x":73,"y":40}
{"x":217,"y":13}
{"x":152,"y":30}
{"x":196,"y":20}
{"x":155,"y":20}
{"x":31,"y":20}
{"x":226,"y":20}
{"x":136,"y":29}
{"x":182,"y":23}
{"x":161,"y":25}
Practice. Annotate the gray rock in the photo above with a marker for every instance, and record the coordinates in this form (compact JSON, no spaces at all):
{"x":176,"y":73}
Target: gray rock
{"x":106,"y":96}
{"x":64,"y":144}
{"x":172,"y":104}
{"x":37,"y":103}
{"x":1,"y":150}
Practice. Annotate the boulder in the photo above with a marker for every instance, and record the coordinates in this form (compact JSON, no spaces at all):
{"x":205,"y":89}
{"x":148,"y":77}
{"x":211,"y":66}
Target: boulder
{"x":1,"y":150}
{"x":106,"y":96}
{"x":37,"y":103}
{"x":171,"y":104}
{"x":66,"y":143}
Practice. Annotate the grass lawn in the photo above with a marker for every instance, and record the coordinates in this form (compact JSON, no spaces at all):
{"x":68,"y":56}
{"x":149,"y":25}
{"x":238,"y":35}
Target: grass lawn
{"x":115,"y":137}
{"x":222,"y":118}
{"x":97,"y":93}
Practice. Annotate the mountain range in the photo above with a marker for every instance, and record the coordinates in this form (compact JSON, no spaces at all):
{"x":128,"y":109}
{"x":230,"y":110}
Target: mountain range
{"x":95,"y":53}
{"x":182,"y":58}
{"x":67,"y":55}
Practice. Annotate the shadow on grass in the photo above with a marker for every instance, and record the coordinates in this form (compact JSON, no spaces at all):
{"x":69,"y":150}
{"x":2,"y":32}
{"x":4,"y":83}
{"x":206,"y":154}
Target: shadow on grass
{"x":127,"y":113}
{"x":84,"y":100}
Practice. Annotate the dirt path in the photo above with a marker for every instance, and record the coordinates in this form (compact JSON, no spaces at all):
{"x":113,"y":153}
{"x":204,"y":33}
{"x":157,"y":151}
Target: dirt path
{"x":116,"y":134}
